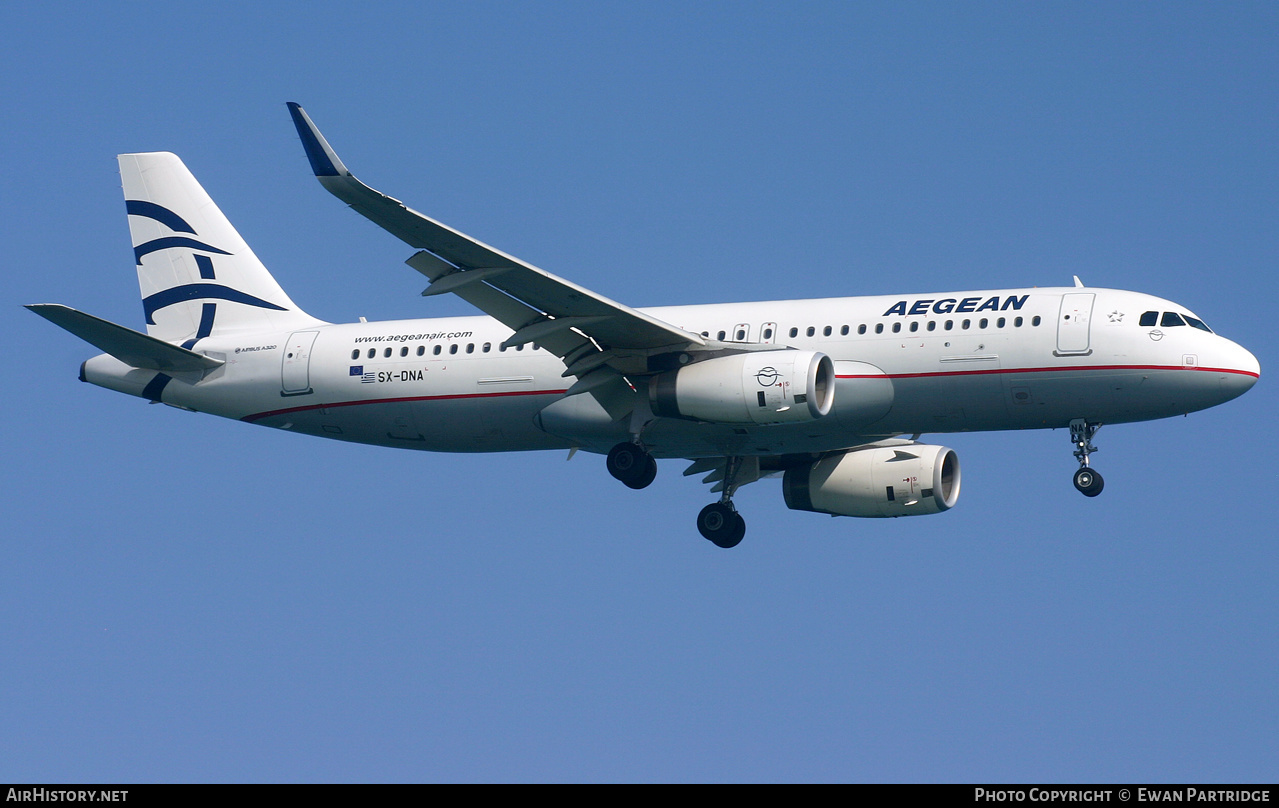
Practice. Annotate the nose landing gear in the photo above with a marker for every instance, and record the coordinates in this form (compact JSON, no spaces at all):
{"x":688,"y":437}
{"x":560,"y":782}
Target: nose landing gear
{"x":1087,"y":481}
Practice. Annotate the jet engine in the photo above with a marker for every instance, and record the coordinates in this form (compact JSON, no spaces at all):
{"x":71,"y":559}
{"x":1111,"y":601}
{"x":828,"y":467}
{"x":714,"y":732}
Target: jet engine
{"x":756,"y":387}
{"x":909,"y":479}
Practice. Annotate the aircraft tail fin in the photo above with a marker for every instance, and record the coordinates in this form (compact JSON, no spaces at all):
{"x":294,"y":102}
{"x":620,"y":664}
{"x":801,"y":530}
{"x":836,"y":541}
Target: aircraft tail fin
{"x":197,"y":275}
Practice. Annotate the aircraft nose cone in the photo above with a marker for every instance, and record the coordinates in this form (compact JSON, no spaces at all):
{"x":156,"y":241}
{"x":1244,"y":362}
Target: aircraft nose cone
{"x":1243,"y":370}
{"x":1248,"y":363}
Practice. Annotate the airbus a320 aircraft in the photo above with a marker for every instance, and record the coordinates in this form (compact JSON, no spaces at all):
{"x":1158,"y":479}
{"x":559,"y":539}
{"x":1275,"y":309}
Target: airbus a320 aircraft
{"x":832,"y":394}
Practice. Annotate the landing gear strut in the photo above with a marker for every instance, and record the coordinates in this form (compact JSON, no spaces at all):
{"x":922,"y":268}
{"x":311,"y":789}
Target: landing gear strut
{"x":720,"y":522}
{"x":631,"y":464}
{"x":1087,"y":481}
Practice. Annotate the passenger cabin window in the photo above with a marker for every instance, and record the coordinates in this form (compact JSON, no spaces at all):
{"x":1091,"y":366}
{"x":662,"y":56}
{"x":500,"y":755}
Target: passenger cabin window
{"x":453,"y":348}
{"x":720,"y":336}
{"x":1149,"y":318}
{"x":1036,"y":320}
{"x":914,"y":326}
{"x":932,"y":325}
{"x":879,"y":328}
{"x":897,"y":327}
{"x":372,"y":352}
{"x":740,"y":336}
{"x":861,"y":329}
{"x":1171,"y":319}
{"x":794,"y":332}
{"x":826,"y":331}
{"x":387,"y":353}
{"x":355,"y":354}
{"x":811,"y":331}
{"x":404,"y":351}
{"x":843,"y":331}
{"x":436,"y":350}
{"x":487,"y":347}
{"x":421,"y":349}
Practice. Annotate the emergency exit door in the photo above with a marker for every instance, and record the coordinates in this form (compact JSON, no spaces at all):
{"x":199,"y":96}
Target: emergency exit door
{"x":295,"y":373}
{"x":1073,"y":323}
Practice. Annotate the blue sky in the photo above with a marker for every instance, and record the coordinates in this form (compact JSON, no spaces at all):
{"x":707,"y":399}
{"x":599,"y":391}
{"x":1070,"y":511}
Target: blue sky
{"x":186,"y":598}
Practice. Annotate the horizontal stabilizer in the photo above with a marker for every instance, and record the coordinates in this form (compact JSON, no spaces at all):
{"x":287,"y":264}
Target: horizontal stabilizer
{"x":129,"y":346}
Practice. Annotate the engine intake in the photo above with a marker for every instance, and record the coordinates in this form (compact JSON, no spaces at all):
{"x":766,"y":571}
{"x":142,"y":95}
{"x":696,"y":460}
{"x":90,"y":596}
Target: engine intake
{"x":757,"y":387}
{"x":911,"y":479}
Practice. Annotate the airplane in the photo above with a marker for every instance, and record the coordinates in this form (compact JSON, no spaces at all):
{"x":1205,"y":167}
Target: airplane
{"x":832,"y":395}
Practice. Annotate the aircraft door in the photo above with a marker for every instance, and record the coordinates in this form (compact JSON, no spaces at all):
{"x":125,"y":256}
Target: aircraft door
{"x":741,"y":333}
{"x":768,"y":333}
{"x":295,"y":373}
{"x":1073,"y":323}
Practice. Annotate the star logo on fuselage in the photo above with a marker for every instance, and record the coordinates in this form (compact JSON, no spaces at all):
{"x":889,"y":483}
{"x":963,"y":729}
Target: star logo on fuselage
{"x":1116,"y":316}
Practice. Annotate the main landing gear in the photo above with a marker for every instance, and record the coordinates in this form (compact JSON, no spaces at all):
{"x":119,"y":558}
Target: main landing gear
{"x":1087,"y":481}
{"x":631,"y":464}
{"x":719,"y":522}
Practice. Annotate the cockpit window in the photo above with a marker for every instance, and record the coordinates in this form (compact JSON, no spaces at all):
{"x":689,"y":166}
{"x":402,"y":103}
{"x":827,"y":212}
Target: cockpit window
{"x":1150,"y":318}
{"x":1200,"y":324}
{"x":1170,"y":319}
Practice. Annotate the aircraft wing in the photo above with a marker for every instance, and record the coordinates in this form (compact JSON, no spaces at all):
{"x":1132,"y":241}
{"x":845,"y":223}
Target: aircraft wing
{"x":537,"y":305}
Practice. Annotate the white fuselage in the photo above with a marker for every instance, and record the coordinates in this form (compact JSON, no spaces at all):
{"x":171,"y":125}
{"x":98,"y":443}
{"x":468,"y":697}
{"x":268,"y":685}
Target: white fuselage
{"x":907,"y":364}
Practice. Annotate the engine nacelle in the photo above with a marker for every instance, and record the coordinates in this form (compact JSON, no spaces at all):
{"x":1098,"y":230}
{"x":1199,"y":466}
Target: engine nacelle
{"x":757,"y":387}
{"x":906,"y":480}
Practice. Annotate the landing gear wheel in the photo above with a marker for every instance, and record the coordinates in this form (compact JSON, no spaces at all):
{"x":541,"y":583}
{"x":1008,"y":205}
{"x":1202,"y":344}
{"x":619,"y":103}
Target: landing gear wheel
{"x":721,"y":525}
{"x":649,"y":474}
{"x":632,"y":465}
{"x":1088,"y":482}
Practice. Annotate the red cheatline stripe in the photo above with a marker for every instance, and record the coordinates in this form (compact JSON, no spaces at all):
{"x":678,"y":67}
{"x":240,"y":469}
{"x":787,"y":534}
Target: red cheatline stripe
{"x":1042,"y":370}
{"x":261,"y":415}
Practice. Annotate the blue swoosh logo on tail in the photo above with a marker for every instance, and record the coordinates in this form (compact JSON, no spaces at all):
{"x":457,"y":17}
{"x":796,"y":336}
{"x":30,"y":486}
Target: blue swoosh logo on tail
{"x":160,"y":213}
{"x":197,"y":291}
{"x":173,"y":241}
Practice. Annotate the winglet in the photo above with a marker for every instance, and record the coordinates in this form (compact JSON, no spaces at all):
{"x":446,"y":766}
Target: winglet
{"x":324,"y":161}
